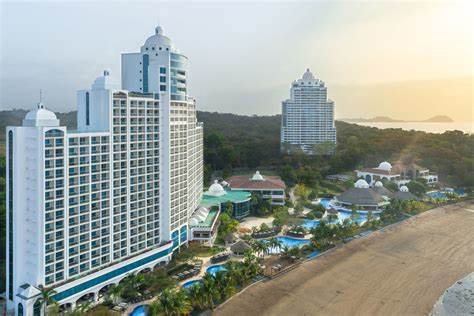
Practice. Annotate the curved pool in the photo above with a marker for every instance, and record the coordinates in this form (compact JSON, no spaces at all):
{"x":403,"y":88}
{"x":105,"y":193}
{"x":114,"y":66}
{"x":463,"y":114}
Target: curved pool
{"x":191,"y":283}
{"x":139,"y":311}
{"x":289,"y":242}
{"x":216,"y":268}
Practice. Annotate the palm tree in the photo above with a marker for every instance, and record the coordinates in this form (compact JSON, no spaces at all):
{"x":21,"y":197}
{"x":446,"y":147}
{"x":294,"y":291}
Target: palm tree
{"x":196,"y":297}
{"x":115,"y":292}
{"x":46,"y":297}
{"x":274,"y":243}
{"x":171,"y":303}
{"x":209,"y":290}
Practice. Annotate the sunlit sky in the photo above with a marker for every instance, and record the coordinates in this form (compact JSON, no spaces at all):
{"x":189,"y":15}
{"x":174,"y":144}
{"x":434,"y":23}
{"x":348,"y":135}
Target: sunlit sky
{"x":243,"y":56}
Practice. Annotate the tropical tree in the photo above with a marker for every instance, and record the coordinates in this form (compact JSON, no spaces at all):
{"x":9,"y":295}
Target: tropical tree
{"x":115,"y":292}
{"x":196,"y":297}
{"x":46,"y":297}
{"x":209,"y":291}
{"x":274,"y":243}
{"x":171,"y":302}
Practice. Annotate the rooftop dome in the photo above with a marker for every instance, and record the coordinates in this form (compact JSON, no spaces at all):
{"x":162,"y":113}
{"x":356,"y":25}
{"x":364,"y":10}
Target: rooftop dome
{"x":257,"y":176}
{"x":361,"y":184}
{"x":308,"y":75}
{"x":216,"y":189}
{"x":385,"y":166}
{"x":40,"y":117}
{"x":404,"y":189}
{"x":378,"y":184}
{"x":158,"y":40}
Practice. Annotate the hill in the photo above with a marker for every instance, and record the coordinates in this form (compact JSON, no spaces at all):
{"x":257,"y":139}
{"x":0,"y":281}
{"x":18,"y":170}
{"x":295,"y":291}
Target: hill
{"x":238,"y":141}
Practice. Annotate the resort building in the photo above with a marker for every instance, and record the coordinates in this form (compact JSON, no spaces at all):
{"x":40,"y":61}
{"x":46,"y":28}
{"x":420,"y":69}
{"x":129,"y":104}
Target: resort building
{"x":399,"y":173}
{"x":307,"y":121}
{"x":360,"y":198}
{"x":269,"y":187}
{"x":405,"y":195}
{"x":218,"y":196}
{"x":383,"y":191}
{"x":203,"y":225}
{"x":87,"y":207}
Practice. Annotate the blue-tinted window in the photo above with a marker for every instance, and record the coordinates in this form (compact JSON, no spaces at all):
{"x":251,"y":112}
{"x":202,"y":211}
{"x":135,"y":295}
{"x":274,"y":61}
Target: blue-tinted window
{"x":162,"y":79}
{"x":146,"y":61}
{"x":87,"y":108}
{"x":162,"y":70}
{"x":162,"y":88}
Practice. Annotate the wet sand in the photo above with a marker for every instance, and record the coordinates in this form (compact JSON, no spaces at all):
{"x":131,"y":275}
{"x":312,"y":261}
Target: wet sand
{"x":402,"y":270}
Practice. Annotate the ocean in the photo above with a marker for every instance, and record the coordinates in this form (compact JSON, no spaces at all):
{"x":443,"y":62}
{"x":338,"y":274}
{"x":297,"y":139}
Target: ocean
{"x":428,"y":127}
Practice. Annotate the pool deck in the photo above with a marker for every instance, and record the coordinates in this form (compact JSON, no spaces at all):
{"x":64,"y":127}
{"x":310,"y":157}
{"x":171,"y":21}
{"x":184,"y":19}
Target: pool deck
{"x":400,"y":270}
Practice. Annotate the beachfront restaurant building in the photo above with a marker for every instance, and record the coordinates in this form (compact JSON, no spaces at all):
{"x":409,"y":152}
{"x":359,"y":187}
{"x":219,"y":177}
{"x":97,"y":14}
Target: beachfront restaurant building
{"x":269,"y":187}
{"x":400,"y":173}
{"x":217,"y":196}
{"x":203,"y":225}
{"x":361,"y":198}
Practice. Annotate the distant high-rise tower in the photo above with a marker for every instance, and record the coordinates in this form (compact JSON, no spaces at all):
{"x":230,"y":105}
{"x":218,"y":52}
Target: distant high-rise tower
{"x":307,"y":121}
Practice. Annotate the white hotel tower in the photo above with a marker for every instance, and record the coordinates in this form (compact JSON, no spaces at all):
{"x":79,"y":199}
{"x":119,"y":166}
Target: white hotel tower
{"x":308,"y":117}
{"x":87,"y":207}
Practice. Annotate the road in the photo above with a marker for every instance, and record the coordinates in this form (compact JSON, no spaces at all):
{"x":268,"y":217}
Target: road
{"x":402,"y":270}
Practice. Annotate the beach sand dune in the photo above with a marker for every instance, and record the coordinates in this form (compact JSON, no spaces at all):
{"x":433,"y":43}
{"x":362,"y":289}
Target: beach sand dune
{"x":402,"y":270}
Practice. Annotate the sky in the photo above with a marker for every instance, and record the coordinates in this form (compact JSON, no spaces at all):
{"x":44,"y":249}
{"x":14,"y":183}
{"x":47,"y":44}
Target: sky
{"x":243,"y":55}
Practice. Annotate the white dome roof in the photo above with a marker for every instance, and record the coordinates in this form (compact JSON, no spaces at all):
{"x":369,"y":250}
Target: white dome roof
{"x":216,"y":189}
{"x":158,"y":40}
{"x":257,"y":176}
{"x":40,"y":117}
{"x":404,"y":189}
{"x":361,"y":184}
{"x":378,"y":184}
{"x":385,"y":166}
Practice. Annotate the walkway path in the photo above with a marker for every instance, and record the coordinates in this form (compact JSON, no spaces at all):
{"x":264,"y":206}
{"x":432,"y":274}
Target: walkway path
{"x":401,"y":270}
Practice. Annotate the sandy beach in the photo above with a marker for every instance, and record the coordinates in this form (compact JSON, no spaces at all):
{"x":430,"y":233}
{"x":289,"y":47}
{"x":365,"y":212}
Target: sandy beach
{"x":402,"y":270}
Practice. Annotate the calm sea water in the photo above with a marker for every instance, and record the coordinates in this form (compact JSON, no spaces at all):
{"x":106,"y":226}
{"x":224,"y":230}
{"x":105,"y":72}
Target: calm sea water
{"x":425,"y":127}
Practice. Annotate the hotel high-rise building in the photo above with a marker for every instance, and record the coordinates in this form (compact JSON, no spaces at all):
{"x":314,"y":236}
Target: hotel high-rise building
{"x":87,"y":207}
{"x":307,"y":121}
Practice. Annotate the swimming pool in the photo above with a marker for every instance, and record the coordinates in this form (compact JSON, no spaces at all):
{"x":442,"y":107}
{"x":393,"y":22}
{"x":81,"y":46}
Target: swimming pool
{"x":325,"y":202}
{"x":139,"y":311}
{"x":216,"y":268}
{"x":191,"y":283}
{"x":310,"y":223}
{"x":289,"y":242}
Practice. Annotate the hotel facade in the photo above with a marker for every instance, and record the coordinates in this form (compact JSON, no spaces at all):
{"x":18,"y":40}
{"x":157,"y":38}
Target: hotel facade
{"x":87,"y":207}
{"x":307,"y":121}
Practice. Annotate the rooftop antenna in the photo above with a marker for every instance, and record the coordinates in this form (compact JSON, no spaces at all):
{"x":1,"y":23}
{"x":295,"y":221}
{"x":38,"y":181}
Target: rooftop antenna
{"x":40,"y":104}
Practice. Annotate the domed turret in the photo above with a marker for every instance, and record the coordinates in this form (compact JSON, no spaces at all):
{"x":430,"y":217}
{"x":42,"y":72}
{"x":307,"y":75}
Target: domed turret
{"x":257,"y":176}
{"x":308,"y":75}
{"x":40,"y":117}
{"x":216,"y":189}
{"x":404,"y":189}
{"x":385,"y":166}
{"x":361,"y":184}
{"x":157,"y":41}
{"x":378,"y":184}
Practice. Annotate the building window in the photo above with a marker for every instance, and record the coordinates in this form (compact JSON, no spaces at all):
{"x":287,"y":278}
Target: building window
{"x":162,"y":79}
{"x":162,"y":70}
{"x":20,"y":309}
{"x":162,"y":88}
{"x":37,"y":308}
{"x":87,"y":108}
{"x":146,"y":60}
